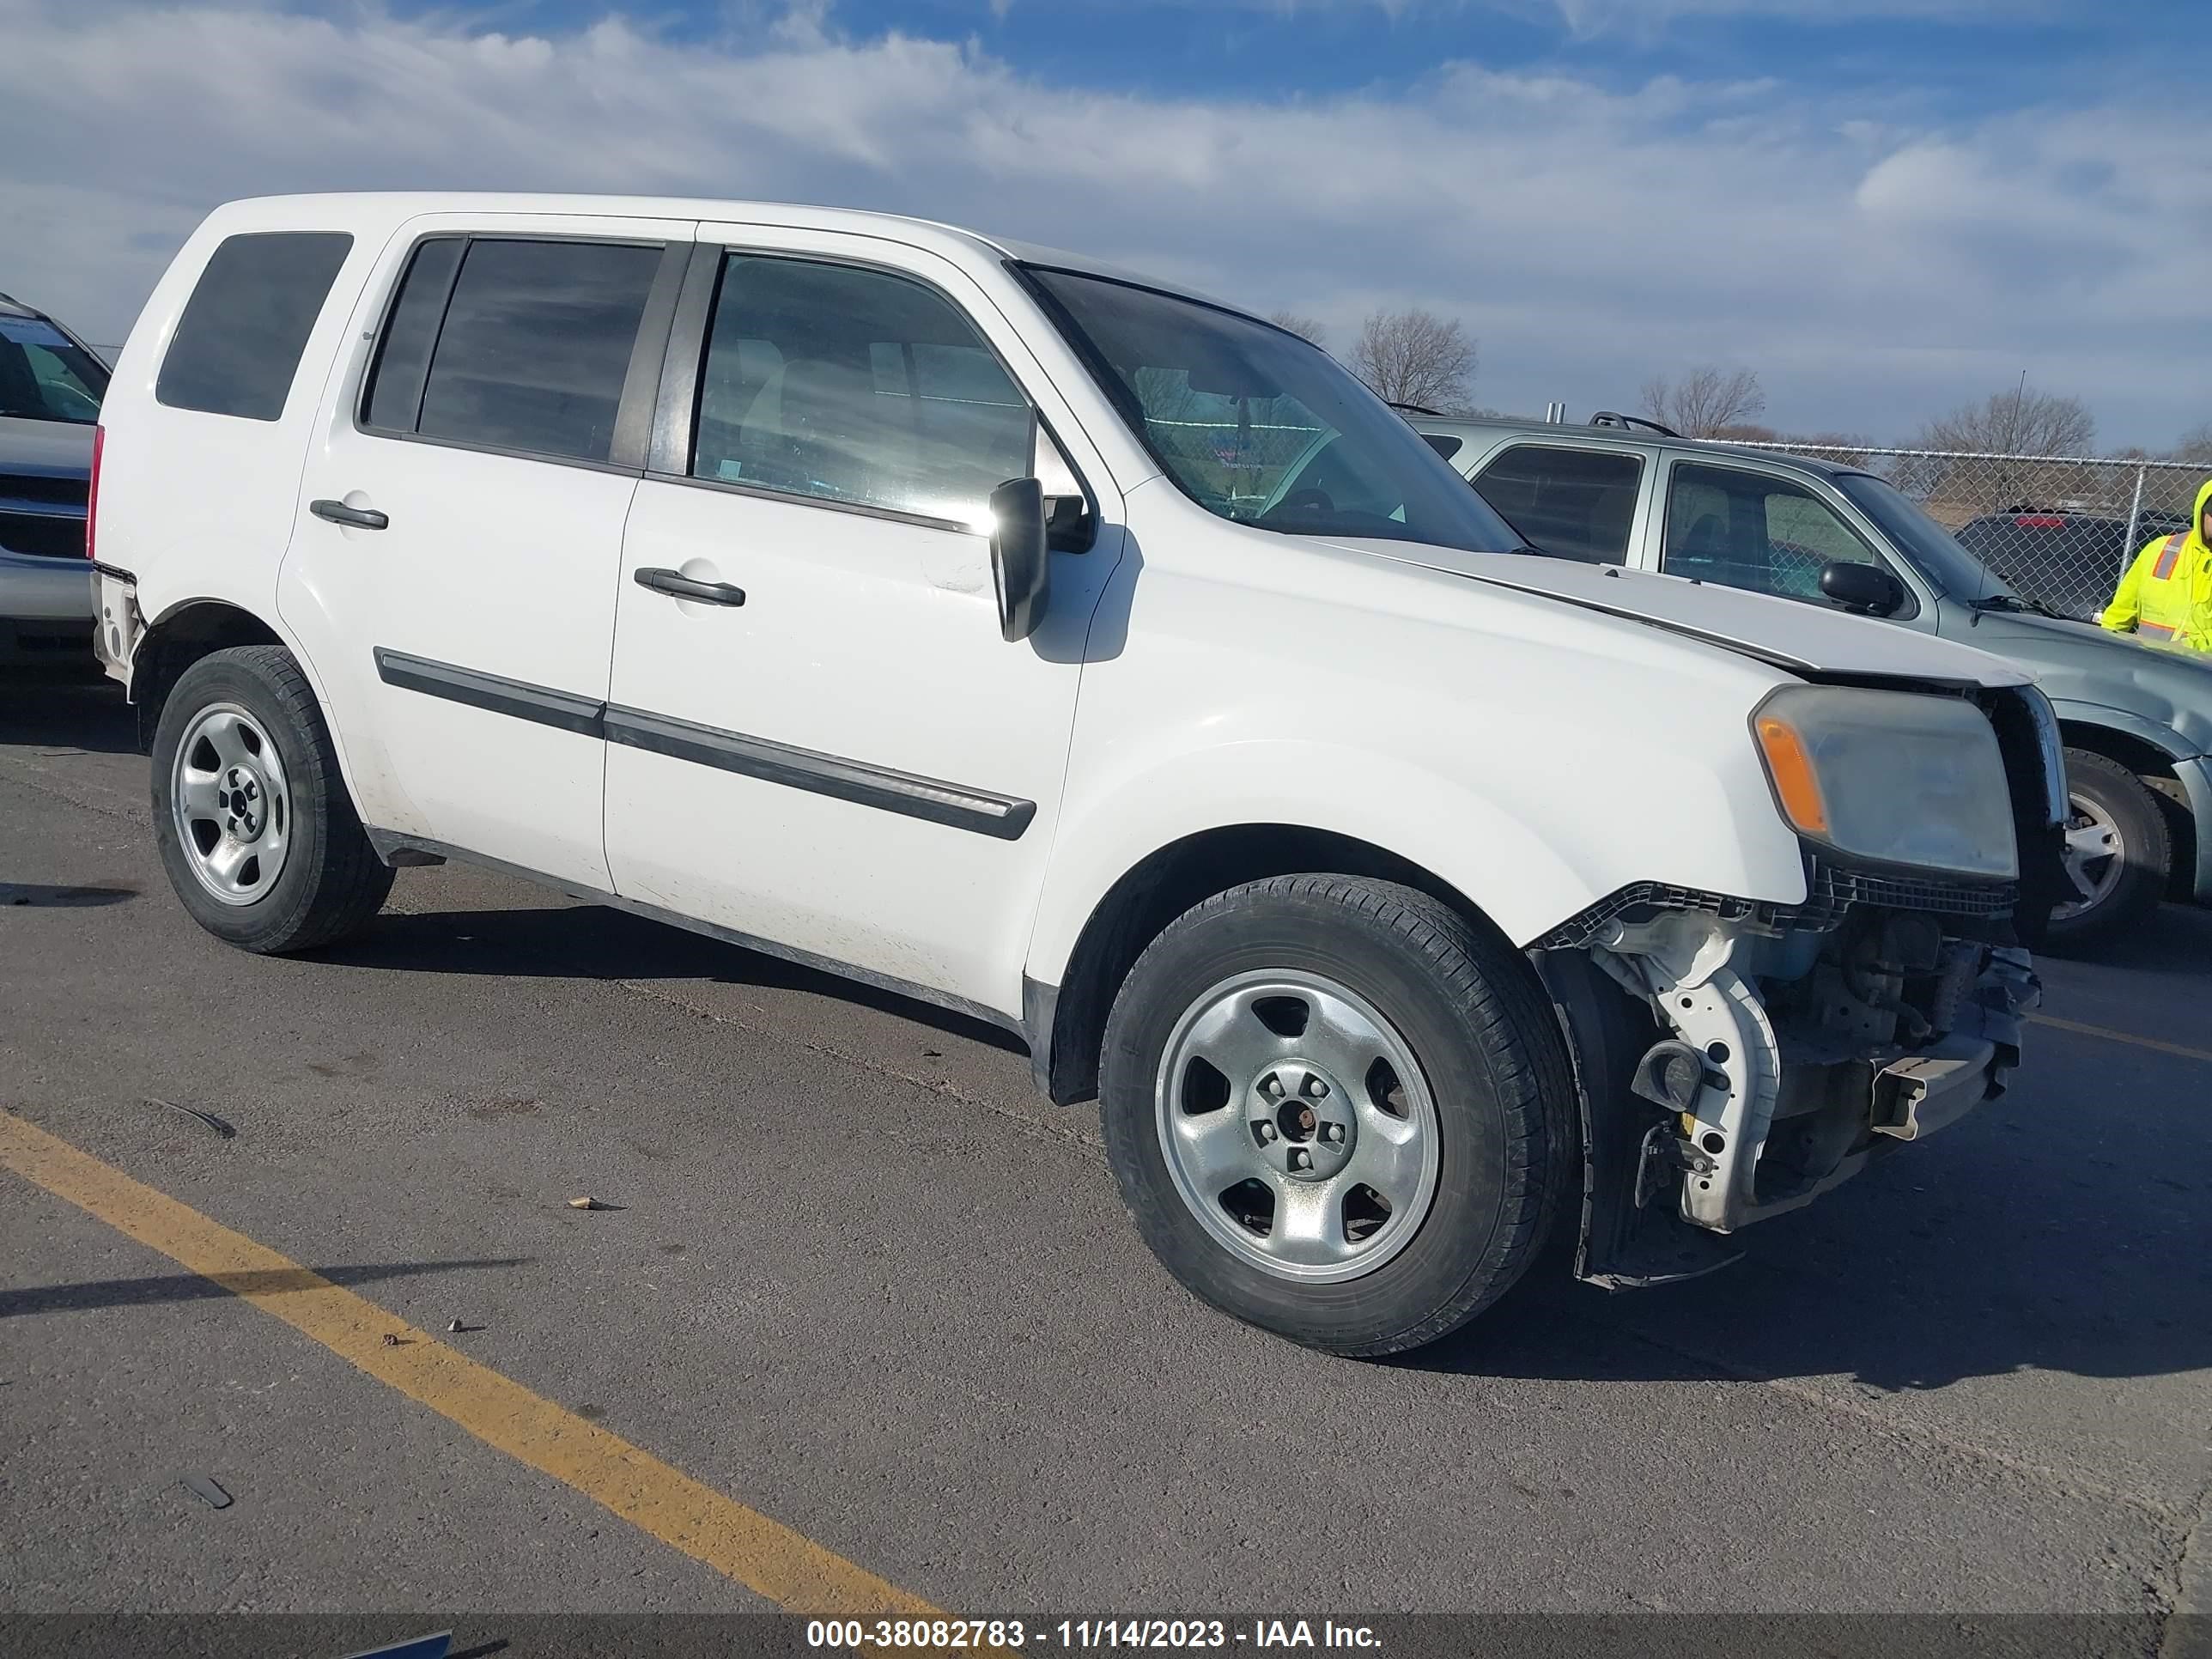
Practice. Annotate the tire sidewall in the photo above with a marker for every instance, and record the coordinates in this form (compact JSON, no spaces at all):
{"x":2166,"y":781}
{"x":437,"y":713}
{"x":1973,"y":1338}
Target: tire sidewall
{"x":234,"y":677}
{"x":1466,"y":1233}
{"x":2136,"y":815}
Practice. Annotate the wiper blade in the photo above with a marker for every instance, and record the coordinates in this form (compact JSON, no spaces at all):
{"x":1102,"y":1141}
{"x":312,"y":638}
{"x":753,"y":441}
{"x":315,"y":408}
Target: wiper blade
{"x":2012,"y":603}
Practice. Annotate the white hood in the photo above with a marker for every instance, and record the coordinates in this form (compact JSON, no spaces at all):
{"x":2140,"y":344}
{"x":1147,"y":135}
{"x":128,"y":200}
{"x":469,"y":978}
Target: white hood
{"x":1788,"y":633}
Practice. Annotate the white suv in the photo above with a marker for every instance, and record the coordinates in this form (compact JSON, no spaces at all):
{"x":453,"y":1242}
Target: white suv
{"x":937,"y":611}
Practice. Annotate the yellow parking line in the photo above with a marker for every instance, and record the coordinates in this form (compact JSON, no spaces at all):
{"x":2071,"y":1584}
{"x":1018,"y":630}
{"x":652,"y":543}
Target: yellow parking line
{"x":765,"y":1556}
{"x":2106,"y":1031}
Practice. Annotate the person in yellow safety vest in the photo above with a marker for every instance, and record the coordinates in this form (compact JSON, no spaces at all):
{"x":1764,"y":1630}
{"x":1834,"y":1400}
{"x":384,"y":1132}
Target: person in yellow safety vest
{"x":2165,"y":598}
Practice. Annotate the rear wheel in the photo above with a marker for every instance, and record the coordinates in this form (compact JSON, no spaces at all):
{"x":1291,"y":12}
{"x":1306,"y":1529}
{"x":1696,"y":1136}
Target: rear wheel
{"x":1337,"y":1109}
{"x":257,"y":832}
{"x":2116,"y":853}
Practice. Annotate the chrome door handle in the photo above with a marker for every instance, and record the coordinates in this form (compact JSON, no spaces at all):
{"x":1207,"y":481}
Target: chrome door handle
{"x":677,"y":586}
{"x":357,"y":518}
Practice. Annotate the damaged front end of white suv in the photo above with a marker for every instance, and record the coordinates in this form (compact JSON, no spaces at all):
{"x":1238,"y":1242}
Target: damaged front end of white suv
{"x":1736,"y":1058}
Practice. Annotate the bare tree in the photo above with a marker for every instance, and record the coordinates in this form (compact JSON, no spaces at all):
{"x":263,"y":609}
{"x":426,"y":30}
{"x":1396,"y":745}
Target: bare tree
{"x":2020,"y":421}
{"x":1705,"y":402}
{"x":1415,"y":357}
{"x":1309,"y":328}
{"x":2196,"y":446}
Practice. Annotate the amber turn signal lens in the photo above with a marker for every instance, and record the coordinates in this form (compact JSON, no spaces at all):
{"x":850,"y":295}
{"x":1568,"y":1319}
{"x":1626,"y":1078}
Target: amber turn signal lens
{"x":1795,"y":781}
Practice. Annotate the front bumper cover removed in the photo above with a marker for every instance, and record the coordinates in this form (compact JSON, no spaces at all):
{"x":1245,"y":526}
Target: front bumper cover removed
{"x":1651,"y":1165}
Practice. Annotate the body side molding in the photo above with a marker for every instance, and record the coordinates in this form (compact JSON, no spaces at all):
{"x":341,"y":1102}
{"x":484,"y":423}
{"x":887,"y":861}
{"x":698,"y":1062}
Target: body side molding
{"x":541,"y":704}
{"x":865,"y":784}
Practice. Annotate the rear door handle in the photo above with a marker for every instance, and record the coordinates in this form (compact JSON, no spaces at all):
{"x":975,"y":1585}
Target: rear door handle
{"x":677,"y":586}
{"x":359,"y":518}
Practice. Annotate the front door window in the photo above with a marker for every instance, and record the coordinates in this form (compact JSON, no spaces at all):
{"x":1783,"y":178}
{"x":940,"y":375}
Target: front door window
{"x":859,"y":387}
{"x":1756,"y":531}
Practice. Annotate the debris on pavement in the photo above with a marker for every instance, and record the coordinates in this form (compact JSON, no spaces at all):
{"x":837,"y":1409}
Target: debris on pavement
{"x":206,"y":1490}
{"x":585,"y":1203}
{"x":217,"y":1124}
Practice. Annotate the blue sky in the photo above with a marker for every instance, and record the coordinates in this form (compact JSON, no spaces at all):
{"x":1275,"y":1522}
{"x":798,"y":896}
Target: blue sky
{"x":1886,"y":208}
{"x":1957,"y":56}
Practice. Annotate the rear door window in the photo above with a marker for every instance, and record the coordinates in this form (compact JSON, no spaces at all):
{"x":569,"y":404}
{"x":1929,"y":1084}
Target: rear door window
{"x":393,"y":400}
{"x":1755,"y":530}
{"x":237,"y":346}
{"x":1576,"y":503}
{"x":512,"y":344}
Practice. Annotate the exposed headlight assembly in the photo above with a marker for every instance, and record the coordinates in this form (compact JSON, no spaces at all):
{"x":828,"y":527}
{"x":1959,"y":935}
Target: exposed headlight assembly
{"x":1897,"y":777}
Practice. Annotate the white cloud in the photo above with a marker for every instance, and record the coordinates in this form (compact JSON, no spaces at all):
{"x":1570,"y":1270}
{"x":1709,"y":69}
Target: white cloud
{"x":1592,"y":16}
{"x":1591,"y":235}
{"x":1589,"y":17}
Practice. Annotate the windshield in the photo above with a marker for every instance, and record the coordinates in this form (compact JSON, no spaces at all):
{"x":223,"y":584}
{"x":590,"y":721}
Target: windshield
{"x":45,"y":376}
{"x":1955,"y":572}
{"x":1262,"y":427}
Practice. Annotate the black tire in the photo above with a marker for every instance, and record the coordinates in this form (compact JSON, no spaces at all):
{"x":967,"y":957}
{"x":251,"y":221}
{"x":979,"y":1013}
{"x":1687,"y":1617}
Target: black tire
{"x":2146,"y":850}
{"x":332,"y":882}
{"x":1472,"y":1015}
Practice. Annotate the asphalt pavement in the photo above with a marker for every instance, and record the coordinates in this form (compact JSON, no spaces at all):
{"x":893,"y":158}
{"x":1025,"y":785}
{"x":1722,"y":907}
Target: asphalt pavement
{"x":853,"y":1280}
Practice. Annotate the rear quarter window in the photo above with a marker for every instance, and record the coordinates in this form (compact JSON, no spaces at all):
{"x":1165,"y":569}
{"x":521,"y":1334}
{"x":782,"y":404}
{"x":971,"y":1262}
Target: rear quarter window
{"x":512,"y":343}
{"x":238,"y":344}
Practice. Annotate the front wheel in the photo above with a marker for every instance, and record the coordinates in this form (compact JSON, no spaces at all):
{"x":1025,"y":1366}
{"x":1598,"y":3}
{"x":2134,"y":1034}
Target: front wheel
{"x":257,"y":832}
{"x":1337,"y":1109}
{"x":2117,"y":853}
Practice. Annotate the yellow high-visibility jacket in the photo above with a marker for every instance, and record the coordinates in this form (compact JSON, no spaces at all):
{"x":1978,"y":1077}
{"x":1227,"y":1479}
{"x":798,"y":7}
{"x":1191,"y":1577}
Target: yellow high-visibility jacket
{"x":2165,"y":598}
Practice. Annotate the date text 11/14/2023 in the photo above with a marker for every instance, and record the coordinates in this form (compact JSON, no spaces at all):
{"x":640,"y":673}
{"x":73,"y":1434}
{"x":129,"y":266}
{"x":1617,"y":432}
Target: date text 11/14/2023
{"x":983,"y":1635}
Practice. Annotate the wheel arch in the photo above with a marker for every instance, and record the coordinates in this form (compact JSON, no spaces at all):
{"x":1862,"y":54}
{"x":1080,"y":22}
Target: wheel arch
{"x":1067,"y":1023}
{"x":2153,"y":763}
{"x":183,"y":634}
{"x":2138,"y":754}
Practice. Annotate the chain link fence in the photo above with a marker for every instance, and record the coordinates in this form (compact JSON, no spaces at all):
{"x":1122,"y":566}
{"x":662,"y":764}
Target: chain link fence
{"x":2058,"y":528}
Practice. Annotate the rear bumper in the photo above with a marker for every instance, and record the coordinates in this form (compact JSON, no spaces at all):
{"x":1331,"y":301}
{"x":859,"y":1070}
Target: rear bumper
{"x":119,"y":624}
{"x":45,"y":589}
{"x":45,"y":609}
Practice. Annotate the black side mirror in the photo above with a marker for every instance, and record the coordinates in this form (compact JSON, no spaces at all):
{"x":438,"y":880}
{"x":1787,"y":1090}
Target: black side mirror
{"x":1069,"y":527}
{"x":1021,"y":564}
{"x":1866,"y":590}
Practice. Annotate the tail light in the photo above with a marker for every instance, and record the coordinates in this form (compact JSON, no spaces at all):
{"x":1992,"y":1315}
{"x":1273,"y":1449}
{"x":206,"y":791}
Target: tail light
{"x":2041,"y":521}
{"x":92,"y":492}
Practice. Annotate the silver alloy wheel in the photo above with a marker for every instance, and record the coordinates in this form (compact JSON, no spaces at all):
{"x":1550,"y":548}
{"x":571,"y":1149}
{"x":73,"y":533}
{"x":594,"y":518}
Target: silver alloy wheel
{"x":232,"y":808}
{"x":2096,"y":858}
{"x":1297,"y":1125}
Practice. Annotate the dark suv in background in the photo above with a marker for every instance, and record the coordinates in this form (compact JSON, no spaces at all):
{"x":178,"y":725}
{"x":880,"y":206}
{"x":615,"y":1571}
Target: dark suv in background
{"x":2072,"y":560}
{"x":51,"y":388}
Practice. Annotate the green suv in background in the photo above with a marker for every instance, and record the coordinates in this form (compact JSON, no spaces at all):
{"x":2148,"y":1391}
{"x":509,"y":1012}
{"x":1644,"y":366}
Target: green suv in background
{"x":2137,"y":720}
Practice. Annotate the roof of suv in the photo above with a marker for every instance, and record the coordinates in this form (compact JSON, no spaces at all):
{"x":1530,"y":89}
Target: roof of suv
{"x":396,"y":207}
{"x":1552,"y":431}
